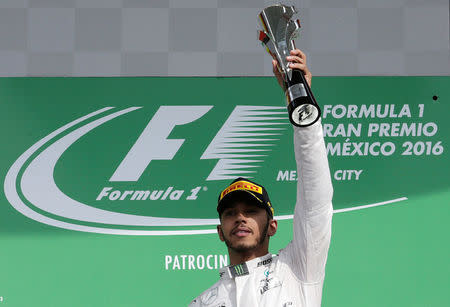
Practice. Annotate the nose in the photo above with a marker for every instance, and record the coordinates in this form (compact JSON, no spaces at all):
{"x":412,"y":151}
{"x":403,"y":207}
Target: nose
{"x":240,"y":217}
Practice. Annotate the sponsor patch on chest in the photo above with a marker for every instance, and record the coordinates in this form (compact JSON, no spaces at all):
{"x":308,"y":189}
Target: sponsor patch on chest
{"x":210,"y":296}
{"x":268,"y":282}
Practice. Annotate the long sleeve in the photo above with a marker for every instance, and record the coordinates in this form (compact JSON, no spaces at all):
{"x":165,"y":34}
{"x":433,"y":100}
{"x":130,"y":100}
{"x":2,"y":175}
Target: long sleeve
{"x":307,"y":253}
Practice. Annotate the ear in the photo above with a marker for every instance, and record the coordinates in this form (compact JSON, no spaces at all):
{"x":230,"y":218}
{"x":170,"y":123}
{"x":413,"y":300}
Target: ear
{"x":273,"y":226}
{"x":220,"y":232}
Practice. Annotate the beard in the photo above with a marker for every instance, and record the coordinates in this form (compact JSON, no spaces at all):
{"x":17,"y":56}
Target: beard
{"x":244,"y":248}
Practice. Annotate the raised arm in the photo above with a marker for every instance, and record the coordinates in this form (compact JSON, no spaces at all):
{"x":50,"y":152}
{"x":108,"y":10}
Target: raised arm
{"x":307,"y":253}
{"x":313,"y":209}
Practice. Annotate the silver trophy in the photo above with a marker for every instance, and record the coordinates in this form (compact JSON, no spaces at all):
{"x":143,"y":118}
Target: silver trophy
{"x":277,"y":32}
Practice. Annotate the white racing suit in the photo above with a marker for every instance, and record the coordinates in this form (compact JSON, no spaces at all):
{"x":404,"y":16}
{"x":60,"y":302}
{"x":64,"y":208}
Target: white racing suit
{"x":295,"y":276}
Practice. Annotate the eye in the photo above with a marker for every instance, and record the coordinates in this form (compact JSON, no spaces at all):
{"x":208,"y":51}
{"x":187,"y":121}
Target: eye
{"x":228,"y":213}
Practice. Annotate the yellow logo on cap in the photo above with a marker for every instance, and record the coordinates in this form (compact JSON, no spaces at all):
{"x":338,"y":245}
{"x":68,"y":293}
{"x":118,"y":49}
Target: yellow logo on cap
{"x":241,"y":185}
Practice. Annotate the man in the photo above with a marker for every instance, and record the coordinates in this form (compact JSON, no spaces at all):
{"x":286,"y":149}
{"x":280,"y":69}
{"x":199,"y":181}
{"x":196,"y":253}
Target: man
{"x":295,"y":276}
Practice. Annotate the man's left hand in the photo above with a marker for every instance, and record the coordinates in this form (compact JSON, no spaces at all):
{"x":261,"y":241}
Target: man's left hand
{"x":297,"y":60}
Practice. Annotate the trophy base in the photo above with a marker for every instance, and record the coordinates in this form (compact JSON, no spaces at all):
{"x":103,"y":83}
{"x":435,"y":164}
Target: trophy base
{"x":302,"y":113}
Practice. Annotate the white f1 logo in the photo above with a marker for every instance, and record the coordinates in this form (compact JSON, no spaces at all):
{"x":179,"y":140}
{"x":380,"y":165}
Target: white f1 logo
{"x":153,"y":144}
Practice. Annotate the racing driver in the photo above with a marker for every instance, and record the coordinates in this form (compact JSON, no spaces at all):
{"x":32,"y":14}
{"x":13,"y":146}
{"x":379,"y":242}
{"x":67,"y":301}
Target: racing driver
{"x":295,"y":276}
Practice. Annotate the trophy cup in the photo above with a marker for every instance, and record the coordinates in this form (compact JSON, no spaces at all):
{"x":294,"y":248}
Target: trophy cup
{"x":277,"y":32}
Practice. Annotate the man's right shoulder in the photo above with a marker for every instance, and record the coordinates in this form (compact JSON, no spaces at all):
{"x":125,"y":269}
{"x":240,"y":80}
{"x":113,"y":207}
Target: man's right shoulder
{"x":207,"y":297}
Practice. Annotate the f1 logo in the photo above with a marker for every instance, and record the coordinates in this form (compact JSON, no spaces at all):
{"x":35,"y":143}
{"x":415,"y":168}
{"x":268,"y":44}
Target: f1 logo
{"x":239,"y":145}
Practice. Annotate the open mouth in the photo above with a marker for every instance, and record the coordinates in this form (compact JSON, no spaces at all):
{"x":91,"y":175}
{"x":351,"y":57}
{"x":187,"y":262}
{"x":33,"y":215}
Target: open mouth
{"x":241,"y":232}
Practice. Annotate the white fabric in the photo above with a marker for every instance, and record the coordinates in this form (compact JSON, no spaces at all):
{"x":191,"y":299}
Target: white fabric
{"x":294,"y":278}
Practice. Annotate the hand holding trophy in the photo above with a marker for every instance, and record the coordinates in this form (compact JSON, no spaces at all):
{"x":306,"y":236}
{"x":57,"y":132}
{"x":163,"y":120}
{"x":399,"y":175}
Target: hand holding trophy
{"x":277,"y":32}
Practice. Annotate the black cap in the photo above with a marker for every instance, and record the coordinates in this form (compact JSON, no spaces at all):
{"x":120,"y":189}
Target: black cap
{"x":244,"y":189}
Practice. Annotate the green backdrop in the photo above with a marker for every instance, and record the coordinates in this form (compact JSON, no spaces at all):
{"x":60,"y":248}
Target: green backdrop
{"x":64,"y":243}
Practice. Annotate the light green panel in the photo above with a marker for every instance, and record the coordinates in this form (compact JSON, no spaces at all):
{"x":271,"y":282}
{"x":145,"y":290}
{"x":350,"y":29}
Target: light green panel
{"x":392,"y":255}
